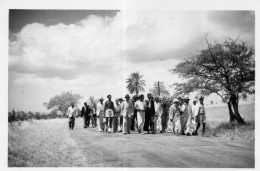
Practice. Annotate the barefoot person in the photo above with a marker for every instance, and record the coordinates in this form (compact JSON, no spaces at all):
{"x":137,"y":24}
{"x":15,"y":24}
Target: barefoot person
{"x":100,"y":114}
{"x":72,"y":113}
{"x":109,"y":113}
{"x":201,"y":117}
{"x":127,"y":110}
{"x":85,"y":113}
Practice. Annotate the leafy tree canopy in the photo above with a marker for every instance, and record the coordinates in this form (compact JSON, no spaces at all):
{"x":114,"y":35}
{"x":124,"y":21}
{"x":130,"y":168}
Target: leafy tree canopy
{"x":63,"y":101}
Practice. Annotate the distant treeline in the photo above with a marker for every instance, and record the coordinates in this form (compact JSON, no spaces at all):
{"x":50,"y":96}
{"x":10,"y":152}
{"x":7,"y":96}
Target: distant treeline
{"x":22,"y":116}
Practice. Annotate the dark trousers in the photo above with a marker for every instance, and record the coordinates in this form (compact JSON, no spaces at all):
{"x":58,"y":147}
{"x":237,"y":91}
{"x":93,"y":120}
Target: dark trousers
{"x":94,"y":121}
{"x":86,"y":120}
{"x":71,"y":122}
{"x":115,"y":124}
{"x":134,"y":120}
{"x":149,"y":122}
{"x":109,"y":122}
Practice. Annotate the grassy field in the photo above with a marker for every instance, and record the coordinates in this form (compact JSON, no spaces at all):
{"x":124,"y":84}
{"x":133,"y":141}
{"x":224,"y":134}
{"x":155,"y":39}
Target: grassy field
{"x":220,"y":113}
{"x":42,"y":143}
{"x":218,"y":125}
{"x":47,"y":142}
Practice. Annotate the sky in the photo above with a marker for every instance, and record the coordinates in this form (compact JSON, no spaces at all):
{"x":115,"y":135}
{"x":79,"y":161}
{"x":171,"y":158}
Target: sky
{"x":92,"y":52}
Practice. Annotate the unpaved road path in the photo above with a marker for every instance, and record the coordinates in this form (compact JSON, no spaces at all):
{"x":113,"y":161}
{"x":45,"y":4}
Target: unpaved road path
{"x":158,"y":150}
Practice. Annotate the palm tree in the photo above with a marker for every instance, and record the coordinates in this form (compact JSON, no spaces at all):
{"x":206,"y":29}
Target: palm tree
{"x":135,"y":84}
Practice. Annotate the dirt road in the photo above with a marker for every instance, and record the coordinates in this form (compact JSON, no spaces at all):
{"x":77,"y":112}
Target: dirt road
{"x":158,"y":150}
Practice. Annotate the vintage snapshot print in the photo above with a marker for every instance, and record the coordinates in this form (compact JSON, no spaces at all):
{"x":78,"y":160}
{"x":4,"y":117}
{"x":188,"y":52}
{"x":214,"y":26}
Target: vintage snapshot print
{"x":131,"y":88}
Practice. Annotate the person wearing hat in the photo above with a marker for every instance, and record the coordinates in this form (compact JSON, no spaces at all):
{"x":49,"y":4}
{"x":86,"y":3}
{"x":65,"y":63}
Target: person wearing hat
{"x":120,"y":118}
{"x":174,"y":116}
{"x":109,"y":113}
{"x":201,"y":117}
{"x":134,"y":119}
{"x":85,"y":113}
{"x":186,"y":114}
{"x":127,"y":110}
{"x":140,"y":107}
{"x":100,"y":114}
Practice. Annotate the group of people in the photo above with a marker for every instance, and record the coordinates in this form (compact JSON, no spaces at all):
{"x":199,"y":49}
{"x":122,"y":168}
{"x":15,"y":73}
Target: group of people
{"x":138,"y":114}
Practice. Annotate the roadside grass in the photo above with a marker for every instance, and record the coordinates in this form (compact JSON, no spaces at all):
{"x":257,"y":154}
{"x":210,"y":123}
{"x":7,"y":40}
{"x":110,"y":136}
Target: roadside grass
{"x":232,"y":131}
{"x":40,"y":143}
{"x":218,"y":126}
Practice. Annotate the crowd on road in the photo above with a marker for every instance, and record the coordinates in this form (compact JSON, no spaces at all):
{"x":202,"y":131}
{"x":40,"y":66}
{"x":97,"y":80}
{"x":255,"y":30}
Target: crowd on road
{"x":145,"y":116}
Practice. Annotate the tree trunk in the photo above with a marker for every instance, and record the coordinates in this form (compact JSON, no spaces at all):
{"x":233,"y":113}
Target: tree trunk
{"x":231,"y":113}
{"x":234,"y":104}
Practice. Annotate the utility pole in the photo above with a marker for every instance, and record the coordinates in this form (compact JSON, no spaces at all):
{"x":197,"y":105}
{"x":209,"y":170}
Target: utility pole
{"x":158,"y":88}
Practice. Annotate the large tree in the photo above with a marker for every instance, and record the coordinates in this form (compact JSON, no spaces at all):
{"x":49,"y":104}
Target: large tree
{"x":135,"y":83}
{"x":62,"y":101}
{"x":227,"y":69}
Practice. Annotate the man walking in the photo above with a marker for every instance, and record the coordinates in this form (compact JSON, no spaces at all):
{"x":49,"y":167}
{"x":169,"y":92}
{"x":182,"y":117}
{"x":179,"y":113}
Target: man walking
{"x":116,"y":115}
{"x":100,"y":114}
{"x":127,"y":110}
{"x":140,"y":107}
{"x":134,"y":119}
{"x":174,"y":116}
{"x":151,"y":111}
{"x":158,"y":115}
{"x":85,"y":113}
{"x":186,"y":114}
{"x":72,"y":113}
{"x":201,"y":117}
{"x":109,"y":112}
{"x":120,"y":117}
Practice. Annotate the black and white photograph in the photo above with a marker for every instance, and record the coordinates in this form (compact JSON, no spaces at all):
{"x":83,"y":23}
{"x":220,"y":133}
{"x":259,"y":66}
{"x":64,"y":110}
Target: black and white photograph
{"x":129,"y":84}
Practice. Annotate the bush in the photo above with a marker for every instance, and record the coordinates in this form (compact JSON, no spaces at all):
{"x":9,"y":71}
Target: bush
{"x":18,"y":116}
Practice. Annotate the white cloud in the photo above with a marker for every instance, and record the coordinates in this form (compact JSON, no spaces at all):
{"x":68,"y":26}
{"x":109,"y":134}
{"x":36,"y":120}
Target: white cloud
{"x":95,"y":55}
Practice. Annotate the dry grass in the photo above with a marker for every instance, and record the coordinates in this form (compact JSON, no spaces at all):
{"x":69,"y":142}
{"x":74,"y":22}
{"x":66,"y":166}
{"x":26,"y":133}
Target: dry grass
{"x":232,"y":131}
{"x":42,"y":143}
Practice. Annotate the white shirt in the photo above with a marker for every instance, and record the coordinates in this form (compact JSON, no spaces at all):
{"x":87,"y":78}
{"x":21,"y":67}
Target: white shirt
{"x":140,"y":105}
{"x":186,"y":109}
{"x":174,"y":111}
{"x":195,"y":110}
{"x":158,"y":108}
{"x":202,"y":109}
{"x":72,"y":112}
{"x":127,"y":108}
{"x":100,"y":108}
